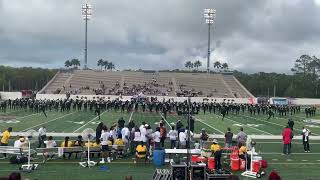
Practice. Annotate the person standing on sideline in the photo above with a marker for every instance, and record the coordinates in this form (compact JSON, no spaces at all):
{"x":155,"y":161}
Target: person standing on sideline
{"x":203,"y":137}
{"x":241,"y":137}
{"x":287,"y":138}
{"x":216,"y":150}
{"x":305,"y":139}
{"x":228,"y":138}
{"x":173,"y":134}
{"x":156,"y":138}
{"x":5,"y":139}
{"x":290,"y":124}
{"x":42,"y":136}
{"x":104,"y":144}
{"x":182,"y":140}
{"x":98,"y":131}
{"x":163,"y":134}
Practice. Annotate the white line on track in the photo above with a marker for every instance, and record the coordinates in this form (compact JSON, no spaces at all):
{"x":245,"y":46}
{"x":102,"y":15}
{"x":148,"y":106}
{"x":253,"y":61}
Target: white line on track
{"x":200,"y":120}
{"x":274,"y":123}
{"x":89,"y":122}
{"x":245,"y":125}
{"x":165,"y":119}
{"x":304,"y":160}
{"x":48,"y":121}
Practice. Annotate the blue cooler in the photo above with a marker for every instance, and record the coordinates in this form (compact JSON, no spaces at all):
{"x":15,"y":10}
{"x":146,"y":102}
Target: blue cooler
{"x":159,"y":157}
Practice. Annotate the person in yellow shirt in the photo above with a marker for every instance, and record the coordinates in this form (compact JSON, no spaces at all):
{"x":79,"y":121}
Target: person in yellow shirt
{"x":217,"y":151}
{"x":66,"y":143}
{"x":141,"y":152}
{"x":119,"y":145}
{"x":5,"y":138}
{"x":243,"y":154}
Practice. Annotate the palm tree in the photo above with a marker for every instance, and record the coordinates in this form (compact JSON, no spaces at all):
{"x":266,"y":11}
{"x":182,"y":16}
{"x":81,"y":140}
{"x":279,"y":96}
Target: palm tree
{"x":100,"y":63}
{"x":225,"y":66}
{"x":67,"y":64}
{"x":75,"y":63}
{"x":111,"y":66}
{"x":105,"y":64}
{"x":189,"y":65}
{"x":197,"y":64}
{"x":217,"y":65}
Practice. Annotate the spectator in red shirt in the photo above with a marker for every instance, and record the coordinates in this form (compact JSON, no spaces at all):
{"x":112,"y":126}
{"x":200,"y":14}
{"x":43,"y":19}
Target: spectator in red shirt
{"x":287,"y":136}
{"x":274,"y":175}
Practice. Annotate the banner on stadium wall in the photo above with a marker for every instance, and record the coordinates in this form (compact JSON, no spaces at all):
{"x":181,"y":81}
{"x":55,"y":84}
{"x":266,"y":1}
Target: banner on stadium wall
{"x":280,"y":101}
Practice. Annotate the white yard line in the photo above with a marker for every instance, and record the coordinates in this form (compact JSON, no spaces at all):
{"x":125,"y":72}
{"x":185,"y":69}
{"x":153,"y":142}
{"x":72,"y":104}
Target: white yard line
{"x":200,"y":120}
{"x":89,"y":122}
{"x":165,"y":119}
{"x":245,"y":125}
{"x":130,"y":118}
{"x":27,"y":116}
{"x":48,"y":121}
{"x":274,"y":123}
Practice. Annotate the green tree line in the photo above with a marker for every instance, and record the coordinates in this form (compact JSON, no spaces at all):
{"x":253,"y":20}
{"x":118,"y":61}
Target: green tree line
{"x":25,"y":78}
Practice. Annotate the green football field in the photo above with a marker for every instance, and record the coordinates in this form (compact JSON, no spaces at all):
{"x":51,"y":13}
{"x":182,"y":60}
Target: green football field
{"x":297,"y":166}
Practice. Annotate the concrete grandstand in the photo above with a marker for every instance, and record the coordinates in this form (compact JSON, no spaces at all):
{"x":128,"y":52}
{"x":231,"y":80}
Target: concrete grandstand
{"x":89,"y":82}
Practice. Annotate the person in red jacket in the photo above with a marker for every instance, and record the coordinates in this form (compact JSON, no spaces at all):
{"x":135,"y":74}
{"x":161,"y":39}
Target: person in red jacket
{"x":274,"y":175}
{"x":287,"y":136}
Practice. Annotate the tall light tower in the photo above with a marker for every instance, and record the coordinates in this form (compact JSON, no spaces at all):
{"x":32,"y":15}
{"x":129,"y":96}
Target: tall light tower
{"x":86,"y":14}
{"x":209,"y":15}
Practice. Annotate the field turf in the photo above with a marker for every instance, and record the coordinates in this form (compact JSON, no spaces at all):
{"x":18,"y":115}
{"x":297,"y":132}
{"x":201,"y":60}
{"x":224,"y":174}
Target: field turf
{"x":298,"y":166}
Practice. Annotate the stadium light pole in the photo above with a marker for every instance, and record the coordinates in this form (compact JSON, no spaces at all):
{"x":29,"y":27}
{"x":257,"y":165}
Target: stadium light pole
{"x":86,"y":14}
{"x":209,"y":15}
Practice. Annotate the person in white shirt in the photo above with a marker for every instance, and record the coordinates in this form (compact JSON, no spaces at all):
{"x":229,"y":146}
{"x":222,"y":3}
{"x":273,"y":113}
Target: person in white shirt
{"x":149,"y":135}
{"x":173,"y":134}
{"x":143,"y":132}
{"x":105,"y":135}
{"x":20,"y":143}
{"x":125,"y":134}
{"x":136,"y":139}
{"x":182,"y":140}
{"x":156,"y":138}
{"x":305,"y":139}
{"x":42,"y":136}
{"x":50,"y":143}
{"x":187,"y":140}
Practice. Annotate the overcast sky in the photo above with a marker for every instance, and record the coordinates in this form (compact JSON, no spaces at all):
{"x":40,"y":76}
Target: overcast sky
{"x":256,"y":35}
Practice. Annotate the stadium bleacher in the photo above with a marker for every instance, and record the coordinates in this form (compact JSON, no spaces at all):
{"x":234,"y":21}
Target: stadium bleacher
{"x":149,"y":83}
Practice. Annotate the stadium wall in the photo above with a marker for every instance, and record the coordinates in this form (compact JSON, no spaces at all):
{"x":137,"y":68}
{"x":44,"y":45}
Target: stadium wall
{"x":10,"y":95}
{"x":297,"y":101}
{"x":160,"y":98}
